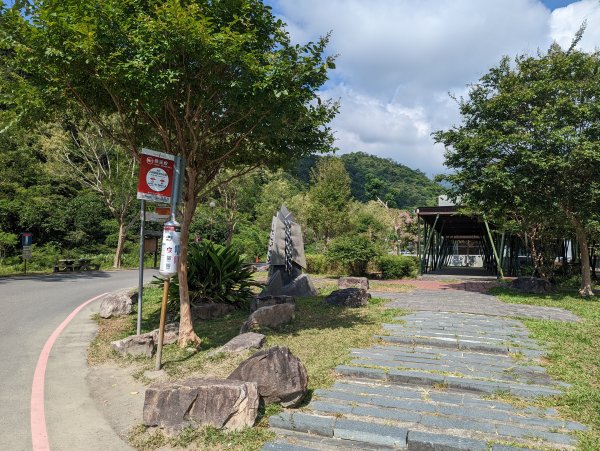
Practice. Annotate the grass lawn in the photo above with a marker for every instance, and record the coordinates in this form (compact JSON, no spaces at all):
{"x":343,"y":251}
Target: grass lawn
{"x":574,"y":356}
{"x":320,"y":336}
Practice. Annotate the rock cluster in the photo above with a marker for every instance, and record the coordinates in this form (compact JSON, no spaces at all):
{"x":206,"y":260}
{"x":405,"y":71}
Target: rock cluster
{"x":348,"y":297}
{"x":145,"y":344}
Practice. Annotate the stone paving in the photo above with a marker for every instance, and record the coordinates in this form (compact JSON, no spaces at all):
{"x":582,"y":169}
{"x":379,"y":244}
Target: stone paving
{"x":460,"y":300}
{"x":429,"y":385}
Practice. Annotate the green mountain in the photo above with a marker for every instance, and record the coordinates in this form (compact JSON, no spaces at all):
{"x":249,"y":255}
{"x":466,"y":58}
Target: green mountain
{"x":374,"y":177}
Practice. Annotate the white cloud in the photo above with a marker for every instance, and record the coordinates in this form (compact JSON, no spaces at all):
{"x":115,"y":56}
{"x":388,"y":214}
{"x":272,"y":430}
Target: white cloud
{"x":565,"y":22}
{"x":398,"y":59}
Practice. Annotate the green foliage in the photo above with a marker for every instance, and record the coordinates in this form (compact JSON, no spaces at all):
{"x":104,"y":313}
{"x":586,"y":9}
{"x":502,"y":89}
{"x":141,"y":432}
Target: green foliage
{"x":320,"y":264}
{"x":217,"y":273}
{"x":397,"y":266}
{"x":528,"y":151}
{"x":352,"y":253}
{"x":251,"y":242}
{"x":329,"y":198}
{"x":374,"y":177}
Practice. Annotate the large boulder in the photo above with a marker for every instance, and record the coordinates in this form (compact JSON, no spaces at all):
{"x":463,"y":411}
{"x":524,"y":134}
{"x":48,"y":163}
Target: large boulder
{"x":348,"y":297}
{"x":266,"y":301}
{"x":211,"y":310}
{"x":229,"y":404}
{"x":272,"y":316}
{"x":117,"y":303}
{"x":532,"y":285}
{"x":353,"y":282}
{"x":243,"y":342}
{"x":301,"y":287}
{"x":135,"y":345}
{"x":280,"y":376}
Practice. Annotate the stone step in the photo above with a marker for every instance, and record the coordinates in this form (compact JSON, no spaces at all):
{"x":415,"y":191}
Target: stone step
{"x":452,"y":343}
{"x":365,"y":432}
{"x":332,"y":427}
{"x":428,"y":379}
{"x":450,"y":397}
{"x":412,"y":410}
{"x":288,"y":440}
{"x":422,"y":354}
{"x":514,"y":374}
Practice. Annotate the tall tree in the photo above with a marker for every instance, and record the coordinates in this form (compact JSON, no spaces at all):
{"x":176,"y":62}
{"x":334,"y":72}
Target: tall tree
{"x":329,"y":198}
{"x":84,"y":153}
{"x":529,"y":144}
{"x":215,"y":81}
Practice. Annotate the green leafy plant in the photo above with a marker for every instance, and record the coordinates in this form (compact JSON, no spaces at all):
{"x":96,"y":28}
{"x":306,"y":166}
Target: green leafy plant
{"x":353,"y":253}
{"x":396,"y":266}
{"x":319,"y":264}
{"x":216,"y":273}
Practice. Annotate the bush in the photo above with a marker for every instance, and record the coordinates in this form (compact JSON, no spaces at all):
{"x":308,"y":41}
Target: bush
{"x":319,"y":264}
{"x":217,"y":273}
{"x":397,"y":266}
{"x":352,"y":253}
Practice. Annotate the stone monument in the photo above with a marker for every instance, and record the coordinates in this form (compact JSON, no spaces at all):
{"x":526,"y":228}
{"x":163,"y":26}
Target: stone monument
{"x":286,"y":259}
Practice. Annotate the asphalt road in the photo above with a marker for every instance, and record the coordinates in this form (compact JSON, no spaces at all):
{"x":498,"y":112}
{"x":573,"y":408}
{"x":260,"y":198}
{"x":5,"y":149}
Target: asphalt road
{"x":31,"y":308}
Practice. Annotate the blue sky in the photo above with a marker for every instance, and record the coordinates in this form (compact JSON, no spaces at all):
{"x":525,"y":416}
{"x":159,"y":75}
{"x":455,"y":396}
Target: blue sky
{"x":398,"y":60}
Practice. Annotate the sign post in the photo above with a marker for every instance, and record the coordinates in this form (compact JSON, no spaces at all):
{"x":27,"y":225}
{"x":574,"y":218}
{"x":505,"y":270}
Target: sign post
{"x":155,"y":184}
{"x":169,"y":261}
{"x":26,"y":241}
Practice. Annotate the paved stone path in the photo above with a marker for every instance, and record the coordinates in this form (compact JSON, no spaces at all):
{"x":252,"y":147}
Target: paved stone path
{"x":460,"y":300}
{"x":428,"y":385}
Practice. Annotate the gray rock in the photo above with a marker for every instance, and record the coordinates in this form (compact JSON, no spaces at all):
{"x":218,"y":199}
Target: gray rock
{"x":171,"y":334}
{"x":353,"y":282}
{"x":117,"y":303}
{"x":243,"y":342}
{"x":265,"y":301}
{"x":532,"y":285}
{"x":229,"y":404}
{"x":211,"y":311}
{"x":272,"y":316}
{"x":348,"y":297}
{"x":280,"y":376}
{"x":135,"y":345}
{"x":301,"y":287}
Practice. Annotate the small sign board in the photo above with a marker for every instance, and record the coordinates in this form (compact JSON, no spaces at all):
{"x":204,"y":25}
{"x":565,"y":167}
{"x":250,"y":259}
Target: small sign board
{"x":26,"y":239}
{"x":27,"y":252}
{"x":169,"y":255}
{"x":155,"y":213}
{"x":156,"y":176}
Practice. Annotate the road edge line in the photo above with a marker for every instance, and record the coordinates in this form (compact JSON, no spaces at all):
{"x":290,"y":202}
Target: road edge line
{"x":39,"y":432}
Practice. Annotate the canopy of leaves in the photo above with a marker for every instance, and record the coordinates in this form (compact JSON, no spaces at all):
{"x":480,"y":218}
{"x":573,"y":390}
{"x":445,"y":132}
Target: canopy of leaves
{"x":373,"y":177}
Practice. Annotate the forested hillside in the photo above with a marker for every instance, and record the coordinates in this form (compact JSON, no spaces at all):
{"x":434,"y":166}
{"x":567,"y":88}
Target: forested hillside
{"x":372,"y":177}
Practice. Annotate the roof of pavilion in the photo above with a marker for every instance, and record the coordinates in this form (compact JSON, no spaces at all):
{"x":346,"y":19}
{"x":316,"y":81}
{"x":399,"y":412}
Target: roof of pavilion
{"x":453,"y":224}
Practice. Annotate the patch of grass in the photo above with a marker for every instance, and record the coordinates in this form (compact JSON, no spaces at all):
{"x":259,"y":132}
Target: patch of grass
{"x":320,"y":336}
{"x":394,"y":286}
{"x":143,"y":438}
{"x":574,"y":356}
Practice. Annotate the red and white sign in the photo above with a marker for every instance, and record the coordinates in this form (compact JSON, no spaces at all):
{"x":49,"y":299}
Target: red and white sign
{"x":155,"y":181}
{"x":169,"y":255}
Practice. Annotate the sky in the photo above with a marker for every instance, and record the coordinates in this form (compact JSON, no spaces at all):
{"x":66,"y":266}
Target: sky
{"x":398,"y":61}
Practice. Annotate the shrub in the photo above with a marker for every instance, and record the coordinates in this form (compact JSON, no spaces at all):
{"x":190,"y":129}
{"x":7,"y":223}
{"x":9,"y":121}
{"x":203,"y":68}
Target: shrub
{"x":217,"y":273}
{"x":396,"y":266}
{"x":352,"y":253}
{"x":316,"y":263}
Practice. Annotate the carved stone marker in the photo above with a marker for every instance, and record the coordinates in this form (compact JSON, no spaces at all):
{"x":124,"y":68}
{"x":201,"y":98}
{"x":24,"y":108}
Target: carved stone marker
{"x":286,"y":259}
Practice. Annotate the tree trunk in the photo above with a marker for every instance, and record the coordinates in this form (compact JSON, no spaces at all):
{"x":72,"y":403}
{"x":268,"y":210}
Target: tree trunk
{"x":586,"y":280}
{"x":120,"y":244}
{"x":186,"y":326}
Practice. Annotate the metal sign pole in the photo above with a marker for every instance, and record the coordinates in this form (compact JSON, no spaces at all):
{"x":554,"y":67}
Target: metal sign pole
{"x":141,"y":266}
